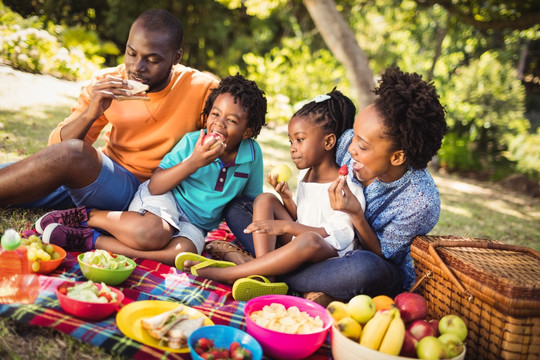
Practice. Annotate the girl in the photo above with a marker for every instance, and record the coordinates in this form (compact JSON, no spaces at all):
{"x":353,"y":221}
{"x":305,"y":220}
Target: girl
{"x":287,"y":234}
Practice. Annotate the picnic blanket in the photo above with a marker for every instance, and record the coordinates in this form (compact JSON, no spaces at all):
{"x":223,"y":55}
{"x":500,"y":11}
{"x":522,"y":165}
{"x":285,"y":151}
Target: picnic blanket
{"x":150,"y":280}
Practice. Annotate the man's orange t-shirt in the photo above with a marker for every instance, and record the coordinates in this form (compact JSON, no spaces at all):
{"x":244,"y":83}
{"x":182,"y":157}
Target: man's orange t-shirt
{"x":142,"y":132}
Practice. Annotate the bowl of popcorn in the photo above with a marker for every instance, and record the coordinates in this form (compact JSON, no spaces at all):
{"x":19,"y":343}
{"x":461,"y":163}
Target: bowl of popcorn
{"x":287,"y":327}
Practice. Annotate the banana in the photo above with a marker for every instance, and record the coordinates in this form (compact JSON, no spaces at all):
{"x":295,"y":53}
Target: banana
{"x":393,"y":339}
{"x":350,"y":328}
{"x":375,"y":328}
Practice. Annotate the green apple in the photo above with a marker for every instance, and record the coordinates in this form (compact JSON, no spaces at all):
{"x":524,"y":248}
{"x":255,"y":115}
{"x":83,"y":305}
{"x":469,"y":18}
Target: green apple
{"x":453,"y":324}
{"x":282,"y":171}
{"x":453,"y":344}
{"x":361,"y":308}
{"x":431,"y":348}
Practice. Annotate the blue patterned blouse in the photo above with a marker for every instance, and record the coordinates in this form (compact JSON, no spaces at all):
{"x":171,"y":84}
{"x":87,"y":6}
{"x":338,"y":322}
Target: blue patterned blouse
{"x":398,"y":211}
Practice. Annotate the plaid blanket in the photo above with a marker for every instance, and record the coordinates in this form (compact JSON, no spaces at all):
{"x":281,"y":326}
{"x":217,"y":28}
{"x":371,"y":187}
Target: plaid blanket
{"x":150,"y":280}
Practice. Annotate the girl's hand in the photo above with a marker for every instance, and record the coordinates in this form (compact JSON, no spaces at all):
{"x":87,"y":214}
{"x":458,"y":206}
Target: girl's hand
{"x":282,"y":188}
{"x":342,"y":198}
{"x":269,"y":227}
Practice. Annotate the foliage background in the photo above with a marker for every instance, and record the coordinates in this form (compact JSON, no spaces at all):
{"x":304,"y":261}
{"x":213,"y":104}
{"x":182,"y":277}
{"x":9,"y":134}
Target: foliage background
{"x":488,"y":76}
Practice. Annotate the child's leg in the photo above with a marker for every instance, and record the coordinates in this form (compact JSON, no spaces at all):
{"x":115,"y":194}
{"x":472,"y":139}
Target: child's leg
{"x":164,"y":255}
{"x":136,"y":231}
{"x":267,"y":207}
{"x":307,"y":247}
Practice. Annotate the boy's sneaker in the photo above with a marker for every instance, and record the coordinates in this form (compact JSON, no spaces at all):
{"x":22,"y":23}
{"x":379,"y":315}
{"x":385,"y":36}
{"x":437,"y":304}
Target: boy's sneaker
{"x":70,"y":217}
{"x":319,"y":298}
{"x":68,"y":238}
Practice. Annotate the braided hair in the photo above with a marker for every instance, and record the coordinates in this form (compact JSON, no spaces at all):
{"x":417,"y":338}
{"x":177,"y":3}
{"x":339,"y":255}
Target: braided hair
{"x":249,"y":95}
{"x":335,"y":114}
{"x":413,"y":117}
{"x":163,"y":21}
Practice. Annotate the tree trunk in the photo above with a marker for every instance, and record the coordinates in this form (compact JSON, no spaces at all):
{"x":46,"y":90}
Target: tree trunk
{"x":340,"y":39}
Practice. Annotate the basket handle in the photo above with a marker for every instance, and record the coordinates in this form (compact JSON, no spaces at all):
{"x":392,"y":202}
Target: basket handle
{"x":467,"y":243}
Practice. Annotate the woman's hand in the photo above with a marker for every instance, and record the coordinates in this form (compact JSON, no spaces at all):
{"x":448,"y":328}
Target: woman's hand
{"x":342,"y":198}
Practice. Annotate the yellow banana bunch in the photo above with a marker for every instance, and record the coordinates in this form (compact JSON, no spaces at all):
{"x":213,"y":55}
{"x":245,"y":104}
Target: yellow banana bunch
{"x":384,"y":332}
{"x":393,"y":339}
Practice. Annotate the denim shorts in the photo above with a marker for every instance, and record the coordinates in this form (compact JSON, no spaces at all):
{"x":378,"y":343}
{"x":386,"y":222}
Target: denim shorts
{"x":112,"y":190}
{"x":166,"y":207}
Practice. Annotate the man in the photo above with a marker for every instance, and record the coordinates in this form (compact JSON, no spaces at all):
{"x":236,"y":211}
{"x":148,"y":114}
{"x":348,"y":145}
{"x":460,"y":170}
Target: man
{"x":70,"y":171}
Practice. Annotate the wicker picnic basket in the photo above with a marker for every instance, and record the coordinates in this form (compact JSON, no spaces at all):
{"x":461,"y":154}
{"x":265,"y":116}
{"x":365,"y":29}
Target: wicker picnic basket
{"x":494,"y":287}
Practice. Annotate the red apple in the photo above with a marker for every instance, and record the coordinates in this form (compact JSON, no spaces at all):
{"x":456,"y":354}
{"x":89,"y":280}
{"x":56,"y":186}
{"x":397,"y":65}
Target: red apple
{"x":408,"y":349}
{"x":435,"y":325}
{"x":411,"y":306}
{"x":213,"y":135}
{"x":420,"y":328}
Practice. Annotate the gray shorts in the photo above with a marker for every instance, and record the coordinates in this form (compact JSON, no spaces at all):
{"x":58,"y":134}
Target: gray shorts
{"x":166,"y":207}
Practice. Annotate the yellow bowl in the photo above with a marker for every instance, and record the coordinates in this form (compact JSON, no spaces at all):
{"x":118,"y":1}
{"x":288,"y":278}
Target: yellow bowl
{"x":49,"y":266}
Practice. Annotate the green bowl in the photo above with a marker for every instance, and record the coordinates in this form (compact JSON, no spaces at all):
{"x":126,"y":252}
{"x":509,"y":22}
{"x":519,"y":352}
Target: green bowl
{"x":107,"y":276}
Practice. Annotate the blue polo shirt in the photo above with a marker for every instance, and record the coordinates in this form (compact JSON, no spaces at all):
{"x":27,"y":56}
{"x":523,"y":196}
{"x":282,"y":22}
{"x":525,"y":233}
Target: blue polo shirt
{"x":204,"y":195}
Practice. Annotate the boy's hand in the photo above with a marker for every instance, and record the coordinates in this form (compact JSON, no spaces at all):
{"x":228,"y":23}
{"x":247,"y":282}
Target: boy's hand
{"x":204,"y":154}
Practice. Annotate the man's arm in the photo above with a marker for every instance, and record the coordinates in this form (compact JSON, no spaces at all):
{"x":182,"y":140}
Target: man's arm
{"x":93,"y":102}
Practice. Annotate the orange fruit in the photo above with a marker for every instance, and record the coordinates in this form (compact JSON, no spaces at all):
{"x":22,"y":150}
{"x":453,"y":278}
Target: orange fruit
{"x":383,"y":302}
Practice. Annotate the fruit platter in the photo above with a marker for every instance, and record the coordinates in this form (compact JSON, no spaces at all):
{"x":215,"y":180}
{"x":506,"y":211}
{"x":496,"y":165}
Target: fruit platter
{"x":382,"y":328}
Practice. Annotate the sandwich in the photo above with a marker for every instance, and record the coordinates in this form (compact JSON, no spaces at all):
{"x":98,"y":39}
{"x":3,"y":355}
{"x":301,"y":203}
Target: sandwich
{"x":138,"y":92}
{"x":180,"y":332}
{"x":171,"y":328}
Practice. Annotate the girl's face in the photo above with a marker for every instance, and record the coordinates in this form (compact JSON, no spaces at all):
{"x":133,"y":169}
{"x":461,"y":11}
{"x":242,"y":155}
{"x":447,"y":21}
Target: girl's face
{"x":230,"y":120}
{"x":373,"y":153}
{"x":308,"y":142}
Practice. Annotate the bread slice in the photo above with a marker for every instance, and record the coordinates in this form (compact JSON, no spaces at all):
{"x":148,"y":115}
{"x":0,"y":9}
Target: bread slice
{"x":181,"y":331}
{"x":160,"y":320}
{"x":137,"y":92}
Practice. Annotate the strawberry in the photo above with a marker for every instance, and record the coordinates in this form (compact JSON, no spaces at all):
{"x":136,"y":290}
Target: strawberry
{"x":205,"y":344}
{"x":344,"y":170}
{"x":234,"y":345}
{"x":241,"y":354}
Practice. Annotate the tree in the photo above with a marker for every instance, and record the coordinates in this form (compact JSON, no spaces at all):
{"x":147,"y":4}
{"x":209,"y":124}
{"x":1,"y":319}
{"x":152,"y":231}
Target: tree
{"x":341,"y":40}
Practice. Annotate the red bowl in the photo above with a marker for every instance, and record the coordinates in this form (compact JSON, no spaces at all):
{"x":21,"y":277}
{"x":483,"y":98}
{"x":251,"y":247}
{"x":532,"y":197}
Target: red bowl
{"x":88,"y":310}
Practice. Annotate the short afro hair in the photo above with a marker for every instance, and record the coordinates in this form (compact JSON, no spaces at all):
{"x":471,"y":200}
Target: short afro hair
{"x":163,"y":21}
{"x":412,"y":114}
{"x":251,"y":98}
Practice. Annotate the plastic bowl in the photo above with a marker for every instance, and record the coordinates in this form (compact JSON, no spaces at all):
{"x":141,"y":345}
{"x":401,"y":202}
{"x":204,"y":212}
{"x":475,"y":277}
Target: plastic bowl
{"x":282,"y":345}
{"x":48,"y":266}
{"x":344,"y":348}
{"x":223,"y":336}
{"x":107,"y":276}
{"x":88,"y":310}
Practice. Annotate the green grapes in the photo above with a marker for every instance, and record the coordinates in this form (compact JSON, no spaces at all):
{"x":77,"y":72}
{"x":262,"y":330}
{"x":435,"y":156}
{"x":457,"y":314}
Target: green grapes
{"x":38,"y":251}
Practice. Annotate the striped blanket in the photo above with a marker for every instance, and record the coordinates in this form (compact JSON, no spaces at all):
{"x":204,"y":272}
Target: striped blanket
{"x":150,"y":280}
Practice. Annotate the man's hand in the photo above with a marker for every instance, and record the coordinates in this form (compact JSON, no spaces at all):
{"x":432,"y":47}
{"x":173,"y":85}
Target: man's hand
{"x":342,"y":198}
{"x":104,"y":92}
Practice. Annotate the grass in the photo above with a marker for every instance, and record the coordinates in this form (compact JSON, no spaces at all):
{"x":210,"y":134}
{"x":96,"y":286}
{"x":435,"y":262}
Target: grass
{"x":469,"y":208}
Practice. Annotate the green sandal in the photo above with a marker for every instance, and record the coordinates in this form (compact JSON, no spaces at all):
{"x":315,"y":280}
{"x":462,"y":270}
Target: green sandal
{"x":204,"y":262}
{"x":247,"y":288}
